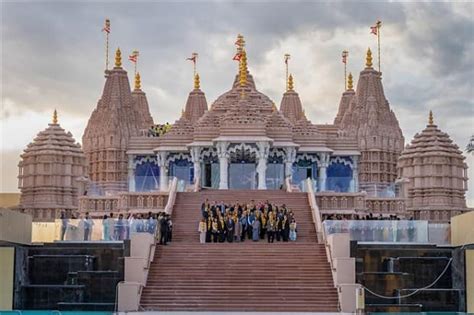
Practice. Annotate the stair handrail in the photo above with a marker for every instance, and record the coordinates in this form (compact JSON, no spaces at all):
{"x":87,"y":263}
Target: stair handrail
{"x":315,"y":212}
{"x":288,"y":184}
{"x":171,"y":196}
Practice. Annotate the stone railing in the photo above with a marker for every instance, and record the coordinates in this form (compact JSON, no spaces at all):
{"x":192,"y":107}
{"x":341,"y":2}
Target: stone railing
{"x":337,"y":250}
{"x":124,"y":202}
{"x":359,"y":203}
{"x":388,"y":206}
{"x":331,"y":201}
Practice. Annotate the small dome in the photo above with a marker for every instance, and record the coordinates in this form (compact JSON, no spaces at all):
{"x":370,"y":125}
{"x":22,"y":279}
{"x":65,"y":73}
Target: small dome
{"x":53,"y":138}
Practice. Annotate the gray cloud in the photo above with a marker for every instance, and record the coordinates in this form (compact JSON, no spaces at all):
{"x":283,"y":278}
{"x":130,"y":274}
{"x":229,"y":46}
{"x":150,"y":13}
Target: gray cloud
{"x":53,"y":55}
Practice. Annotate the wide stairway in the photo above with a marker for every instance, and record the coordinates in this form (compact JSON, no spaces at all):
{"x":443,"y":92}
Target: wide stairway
{"x":250,"y":276}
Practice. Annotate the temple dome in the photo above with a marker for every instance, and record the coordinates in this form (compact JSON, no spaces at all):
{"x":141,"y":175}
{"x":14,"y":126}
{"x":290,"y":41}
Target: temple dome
{"x":435,"y":177}
{"x":196,"y":105}
{"x":52,"y":173}
{"x":141,"y":103}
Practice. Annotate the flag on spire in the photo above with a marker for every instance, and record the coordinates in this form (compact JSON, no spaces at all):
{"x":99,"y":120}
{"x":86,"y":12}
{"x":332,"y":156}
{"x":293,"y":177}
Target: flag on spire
{"x":106,"y":27}
{"x":193,"y":57}
{"x":287,"y":57}
{"x":375,"y":28}
{"x":134,"y":56}
{"x":345,"y":54}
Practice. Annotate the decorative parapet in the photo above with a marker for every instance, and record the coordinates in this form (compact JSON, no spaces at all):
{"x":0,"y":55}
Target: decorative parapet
{"x":124,"y":202}
{"x":389,"y":206}
{"x":347,"y":203}
{"x":333,"y":202}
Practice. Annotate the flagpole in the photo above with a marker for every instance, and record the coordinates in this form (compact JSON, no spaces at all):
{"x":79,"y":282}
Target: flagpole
{"x":345,"y":76}
{"x":106,"y":51}
{"x":379,"y":24}
{"x":287,"y":57}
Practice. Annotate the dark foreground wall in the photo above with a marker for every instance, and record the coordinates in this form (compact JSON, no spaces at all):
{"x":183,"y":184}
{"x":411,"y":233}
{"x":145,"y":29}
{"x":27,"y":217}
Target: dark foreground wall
{"x":68,"y":275}
{"x":398,"y":270}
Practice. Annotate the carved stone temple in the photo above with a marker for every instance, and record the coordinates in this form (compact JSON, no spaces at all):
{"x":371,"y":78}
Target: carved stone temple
{"x":244,"y":141}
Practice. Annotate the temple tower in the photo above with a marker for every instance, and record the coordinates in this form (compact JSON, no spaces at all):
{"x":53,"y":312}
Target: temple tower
{"x":434,"y":175}
{"x":290,"y":105}
{"x":196,"y":104}
{"x":346,"y":99}
{"x":52,"y":173}
{"x":141,"y":103}
{"x":116,"y":118}
{"x":369,"y":117}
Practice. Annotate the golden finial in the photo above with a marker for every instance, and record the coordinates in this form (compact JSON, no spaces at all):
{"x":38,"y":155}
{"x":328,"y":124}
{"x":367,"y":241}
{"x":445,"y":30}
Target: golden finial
{"x":430,"y":119}
{"x":368,"y":59}
{"x":138,"y":84}
{"x":349,"y":82}
{"x":290,"y":83}
{"x":55,"y":117}
{"x":197,"y":82}
{"x":118,"y":58}
{"x":243,"y":69}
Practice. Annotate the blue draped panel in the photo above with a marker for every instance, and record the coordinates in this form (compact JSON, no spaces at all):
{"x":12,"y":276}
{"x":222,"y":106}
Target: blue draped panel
{"x":182,"y":169}
{"x":147,"y":176}
{"x":339,"y":177}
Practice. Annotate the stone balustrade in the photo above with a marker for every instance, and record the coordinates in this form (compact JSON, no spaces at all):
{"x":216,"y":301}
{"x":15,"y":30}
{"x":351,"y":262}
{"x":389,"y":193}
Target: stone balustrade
{"x":123,"y":202}
{"x":359,"y":203}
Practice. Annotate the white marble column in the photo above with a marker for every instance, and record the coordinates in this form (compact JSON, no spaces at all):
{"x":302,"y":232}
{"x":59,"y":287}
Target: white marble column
{"x":223,"y":164}
{"x":289,"y":160}
{"x":323,"y":166}
{"x":262,"y":156}
{"x":131,"y":173}
{"x":196,"y":159}
{"x":355,"y":174}
{"x":161,"y":157}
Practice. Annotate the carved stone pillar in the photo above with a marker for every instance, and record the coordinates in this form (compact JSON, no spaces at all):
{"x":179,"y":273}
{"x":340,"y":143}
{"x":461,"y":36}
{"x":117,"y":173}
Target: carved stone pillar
{"x":161,"y":157}
{"x":131,"y":172}
{"x":196,"y":158}
{"x":355,"y":174}
{"x":323,"y":166}
{"x":262,"y":155}
{"x":223,"y":164}
{"x":289,"y":160}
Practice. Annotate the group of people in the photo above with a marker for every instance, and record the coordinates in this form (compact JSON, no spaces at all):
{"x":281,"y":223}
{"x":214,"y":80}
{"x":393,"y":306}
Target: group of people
{"x":121,"y":228}
{"x":222,"y":222}
{"x":158,"y":130}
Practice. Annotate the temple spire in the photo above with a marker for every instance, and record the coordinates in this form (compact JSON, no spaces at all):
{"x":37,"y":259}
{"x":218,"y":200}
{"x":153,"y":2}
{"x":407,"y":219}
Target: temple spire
{"x":350,"y":83}
{"x":290,"y":83}
{"x":368,"y":59}
{"x":55,"y":117}
{"x":118,"y":58}
{"x":138,"y":84}
{"x":430,"y":119}
{"x":197,"y":82}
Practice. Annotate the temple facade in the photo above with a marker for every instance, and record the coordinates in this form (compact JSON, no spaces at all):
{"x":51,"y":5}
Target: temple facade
{"x":52,"y":173}
{"x":243,"y":140}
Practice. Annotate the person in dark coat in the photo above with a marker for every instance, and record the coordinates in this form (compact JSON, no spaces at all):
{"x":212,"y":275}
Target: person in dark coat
{"x":230,"y":229}
{"x":164,"y":231}
{"x":285,"y":231}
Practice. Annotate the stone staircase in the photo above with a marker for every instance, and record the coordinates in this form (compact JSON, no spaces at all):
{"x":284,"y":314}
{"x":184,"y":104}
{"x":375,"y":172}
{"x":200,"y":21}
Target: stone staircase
{"x":248,"y":276}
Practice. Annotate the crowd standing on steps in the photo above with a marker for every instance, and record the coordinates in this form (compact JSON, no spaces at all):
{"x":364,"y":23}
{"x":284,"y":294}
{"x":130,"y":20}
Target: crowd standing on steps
{"x":120,"y":228}
{"x":236,"y":222}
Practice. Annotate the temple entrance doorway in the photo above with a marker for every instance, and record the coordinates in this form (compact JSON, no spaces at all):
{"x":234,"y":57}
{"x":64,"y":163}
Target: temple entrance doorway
{"x":242,"y":167}
{"x":210,"y":175}
{"x":275,"y":175}
{"x":242,"y":176}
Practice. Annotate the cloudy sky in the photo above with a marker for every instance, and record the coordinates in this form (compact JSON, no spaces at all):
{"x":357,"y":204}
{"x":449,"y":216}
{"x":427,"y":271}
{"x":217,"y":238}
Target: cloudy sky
{"x":53,"y":57}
